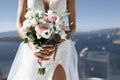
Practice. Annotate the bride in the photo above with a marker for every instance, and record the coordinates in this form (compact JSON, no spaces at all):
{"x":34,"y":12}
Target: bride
{"x":64,"y":67}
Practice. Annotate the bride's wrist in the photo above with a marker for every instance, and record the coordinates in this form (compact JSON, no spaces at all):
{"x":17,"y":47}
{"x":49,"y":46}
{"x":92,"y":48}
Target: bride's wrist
{"x":31,"y":46}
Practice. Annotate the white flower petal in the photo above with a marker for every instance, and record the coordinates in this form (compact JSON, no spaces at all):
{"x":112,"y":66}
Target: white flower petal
{"x":46,"y":34}
{"x":33,"y":21}
{"x":27,"y":23}
{"x":38,"y":36}
{"x":29,"y":14}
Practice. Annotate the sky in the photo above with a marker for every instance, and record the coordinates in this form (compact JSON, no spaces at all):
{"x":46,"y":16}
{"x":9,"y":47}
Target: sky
{"x":98,"y":14}
{"x":91,"y":14}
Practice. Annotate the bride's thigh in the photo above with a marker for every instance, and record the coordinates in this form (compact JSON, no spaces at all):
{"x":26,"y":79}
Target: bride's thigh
{"x":59,"y":73}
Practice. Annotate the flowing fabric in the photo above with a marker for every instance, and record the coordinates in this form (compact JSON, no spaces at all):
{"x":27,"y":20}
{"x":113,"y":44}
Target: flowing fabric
{"x":25,"y":67}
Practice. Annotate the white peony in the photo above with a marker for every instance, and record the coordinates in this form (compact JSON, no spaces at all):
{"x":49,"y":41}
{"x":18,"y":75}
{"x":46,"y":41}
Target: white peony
{"x":46,"y":34}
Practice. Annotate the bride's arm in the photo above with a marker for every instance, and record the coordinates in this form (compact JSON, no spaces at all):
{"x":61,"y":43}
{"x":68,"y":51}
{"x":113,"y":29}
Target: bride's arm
{"x":72,"y":17}
{"x":22,"y":6}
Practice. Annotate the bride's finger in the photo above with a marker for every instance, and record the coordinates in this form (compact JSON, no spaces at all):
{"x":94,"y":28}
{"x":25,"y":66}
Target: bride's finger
{"x":49,"y":48}
{"x":44,"y":51}
{"x":43,"y":59}
{"x":48,"y":54}
{"x":48,"y":45}
{"x":45,"y":55}
{"x":41,"y":56}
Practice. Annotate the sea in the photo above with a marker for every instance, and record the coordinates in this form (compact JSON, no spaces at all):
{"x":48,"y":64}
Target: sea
{"x":101,"y":61}
{"x":98,"y":56}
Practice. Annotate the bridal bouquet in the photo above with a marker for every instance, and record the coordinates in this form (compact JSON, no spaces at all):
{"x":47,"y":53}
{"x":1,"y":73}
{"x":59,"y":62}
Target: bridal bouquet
{"x":44,"y":28}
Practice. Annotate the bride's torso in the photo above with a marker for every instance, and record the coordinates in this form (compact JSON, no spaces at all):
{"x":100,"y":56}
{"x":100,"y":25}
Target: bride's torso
{"x":58,"y":6}
{"x":25,"y":68}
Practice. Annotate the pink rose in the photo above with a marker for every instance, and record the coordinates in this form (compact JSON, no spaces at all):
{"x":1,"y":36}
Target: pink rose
{"x":40,"y":28}
{"x":52,"y":18}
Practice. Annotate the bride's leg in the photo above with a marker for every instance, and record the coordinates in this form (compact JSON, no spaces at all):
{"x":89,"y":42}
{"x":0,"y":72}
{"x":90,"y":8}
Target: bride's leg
{"x":59,"y":73}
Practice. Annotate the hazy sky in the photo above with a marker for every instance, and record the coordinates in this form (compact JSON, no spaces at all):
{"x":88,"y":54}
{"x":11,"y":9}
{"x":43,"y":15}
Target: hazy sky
{"x":91,"y":14}
{"x":98,"y":14}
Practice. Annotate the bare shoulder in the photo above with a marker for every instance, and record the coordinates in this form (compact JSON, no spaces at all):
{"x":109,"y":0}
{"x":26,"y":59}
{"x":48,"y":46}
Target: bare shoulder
{"x":59,"y":73}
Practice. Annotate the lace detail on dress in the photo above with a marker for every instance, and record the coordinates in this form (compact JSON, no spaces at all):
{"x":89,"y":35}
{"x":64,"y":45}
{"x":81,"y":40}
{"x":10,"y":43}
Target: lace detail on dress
{"x":59,"y":6}
{"x":35,"y":4}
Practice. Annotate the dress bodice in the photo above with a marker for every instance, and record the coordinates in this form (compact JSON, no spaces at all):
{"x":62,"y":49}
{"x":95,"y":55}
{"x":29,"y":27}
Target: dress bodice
{"x":59,"y":6}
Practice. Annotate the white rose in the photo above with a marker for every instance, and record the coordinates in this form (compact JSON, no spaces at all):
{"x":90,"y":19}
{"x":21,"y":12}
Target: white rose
{"x":33,"y":21}
{"x":46,"y":34}
{"x":27,"y":23}
{"x":29,"y":14}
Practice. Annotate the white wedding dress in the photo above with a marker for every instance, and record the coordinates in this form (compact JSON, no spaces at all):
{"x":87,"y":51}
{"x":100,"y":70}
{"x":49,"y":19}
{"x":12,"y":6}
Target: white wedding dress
{"x":25,"y":65}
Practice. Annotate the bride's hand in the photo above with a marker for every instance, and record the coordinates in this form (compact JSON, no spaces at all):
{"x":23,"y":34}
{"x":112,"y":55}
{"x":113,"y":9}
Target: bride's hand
{"x":46,"y":52}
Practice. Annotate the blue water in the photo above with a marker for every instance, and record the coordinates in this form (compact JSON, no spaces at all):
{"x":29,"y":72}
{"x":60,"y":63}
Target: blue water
{"x":98,"y":42}
{"x":94,"y":42}
{"x":8,"y":50}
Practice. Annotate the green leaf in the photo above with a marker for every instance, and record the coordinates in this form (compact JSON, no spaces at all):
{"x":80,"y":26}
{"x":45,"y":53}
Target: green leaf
{"x":41,"y":71}
{"x":68,"y":36}
{"x":25,"y":40}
